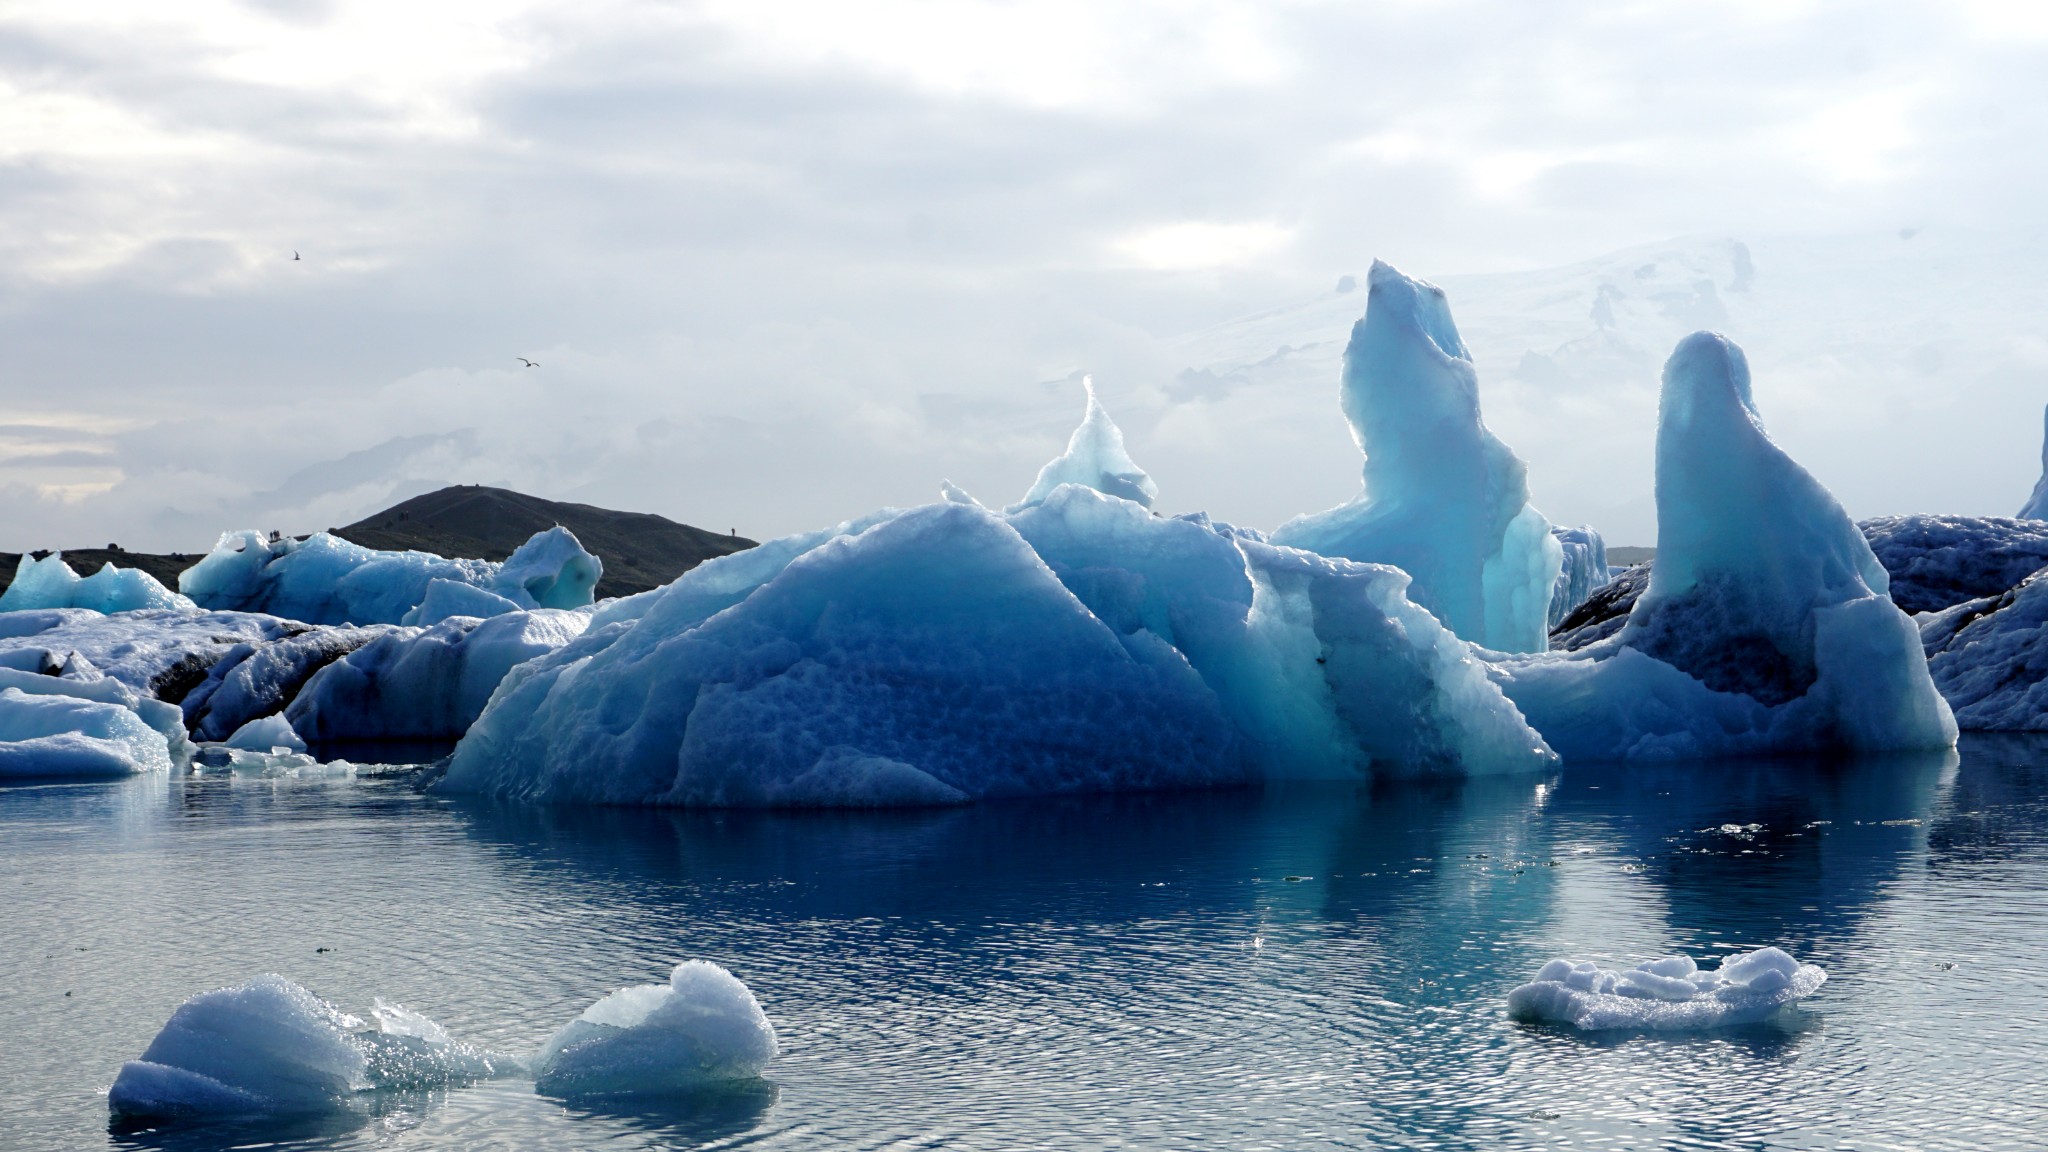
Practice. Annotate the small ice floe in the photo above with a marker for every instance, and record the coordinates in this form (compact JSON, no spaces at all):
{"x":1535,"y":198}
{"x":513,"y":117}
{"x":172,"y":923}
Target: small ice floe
{"x":700,"y":1029}
{"x":1668,"y":994}
{"x":265,"y":734}
{"x":269,"y":1047}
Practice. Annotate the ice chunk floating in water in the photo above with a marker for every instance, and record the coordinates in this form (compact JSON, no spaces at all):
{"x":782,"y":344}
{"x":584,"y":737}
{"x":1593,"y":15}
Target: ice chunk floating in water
{"x":1766,"y":626}
{"x":269,"y":1047}
{"x":1666,"y":995}
{"x":1444,"y":499}
{"x":701,"y":1028}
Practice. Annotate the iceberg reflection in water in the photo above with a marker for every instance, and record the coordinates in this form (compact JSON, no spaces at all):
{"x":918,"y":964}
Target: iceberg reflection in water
{"x":1314,"y":966}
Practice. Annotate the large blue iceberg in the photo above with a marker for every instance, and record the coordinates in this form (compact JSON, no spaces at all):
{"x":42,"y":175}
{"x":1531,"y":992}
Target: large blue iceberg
{"x":1766,"y":626}
{"x":1444,"y":499}
{"x":949,"y":652}
{"x":327,"y":580}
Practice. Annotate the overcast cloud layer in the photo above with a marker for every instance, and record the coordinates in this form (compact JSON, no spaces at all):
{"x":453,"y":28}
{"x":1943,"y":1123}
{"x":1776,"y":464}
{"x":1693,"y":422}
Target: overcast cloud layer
{"x":782,"y":263}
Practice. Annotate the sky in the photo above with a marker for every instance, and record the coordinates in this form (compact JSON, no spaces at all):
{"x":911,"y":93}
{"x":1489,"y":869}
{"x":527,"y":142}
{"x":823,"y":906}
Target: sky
{"x":784,"y":263}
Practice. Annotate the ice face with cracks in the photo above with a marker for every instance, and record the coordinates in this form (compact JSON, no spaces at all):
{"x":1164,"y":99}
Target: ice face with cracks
{"x":50,"y":583}
{"x":1671,"y":994}
{"x":327,"y":580}
{"x":949,"y":652}
{"x":1444,"y":499}
{"x":269,"y":1047}
{"x":1765,"y":627}
{"x":702,"y":1028}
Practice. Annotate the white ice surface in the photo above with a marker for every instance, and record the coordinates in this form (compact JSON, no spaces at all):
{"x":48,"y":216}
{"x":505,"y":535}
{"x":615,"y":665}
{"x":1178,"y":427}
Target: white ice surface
{"x":81,"y":723}
{"x":1765,"y":627}
{"x":266,"y":733}
{"x":269,"y":1047}
{"x":1444,"y":499}
{"x":702,"y":1027}
{"x":50,"y":583}
{"x":1670,"y":994}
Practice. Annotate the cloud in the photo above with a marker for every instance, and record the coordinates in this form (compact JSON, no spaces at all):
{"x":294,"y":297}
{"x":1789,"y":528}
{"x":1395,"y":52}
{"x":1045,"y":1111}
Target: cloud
{"x":783,"y":262}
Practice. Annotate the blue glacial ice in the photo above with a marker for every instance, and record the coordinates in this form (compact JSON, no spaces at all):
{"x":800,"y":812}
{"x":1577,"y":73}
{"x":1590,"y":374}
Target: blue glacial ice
{"x":949,"y":652}
{"x":269,"y":1047}
{"x":1444,"y":499}
{"x":2037,"y":503}
{"x":425,"y":684}
{"x":327,"y":580}
{"x":1671,"y":994}
{"x":50,"y":583}
{"x":701,"y":1028}
{"x":1095,"y":458}
{"x":1766,"y":626}
{"x":1584,"y":572}
{"x":74,"y":721}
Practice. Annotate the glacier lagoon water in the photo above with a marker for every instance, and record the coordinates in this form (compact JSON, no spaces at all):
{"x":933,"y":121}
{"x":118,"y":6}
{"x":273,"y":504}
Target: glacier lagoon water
{"x":1309,"y":967}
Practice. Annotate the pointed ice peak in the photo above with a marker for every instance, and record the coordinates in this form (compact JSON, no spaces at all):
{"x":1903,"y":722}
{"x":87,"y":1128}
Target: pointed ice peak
{"x":2037,"y":504}
{"x":954,"y":494}
{"x":1707,"y":368}
{"x":1095,"y":458}
{"x":1402,"y":300}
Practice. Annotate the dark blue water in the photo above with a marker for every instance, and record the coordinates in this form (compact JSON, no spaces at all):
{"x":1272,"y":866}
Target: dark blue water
{"x":1298,"y":968}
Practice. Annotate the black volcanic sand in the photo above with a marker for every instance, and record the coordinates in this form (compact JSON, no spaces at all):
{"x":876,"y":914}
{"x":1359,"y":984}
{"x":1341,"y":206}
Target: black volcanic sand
{"x":640,"y":550}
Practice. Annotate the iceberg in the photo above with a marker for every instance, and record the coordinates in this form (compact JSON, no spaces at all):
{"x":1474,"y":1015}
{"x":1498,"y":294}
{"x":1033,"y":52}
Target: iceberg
{"x":261,"y":677}
{"x":269,"y":1047}
{"x":2037,"y":503}
{"x":424,"y":684}
{"x":447,"y":598}
{"x":50,"y":583}
{"x":165,"y":654}
{"x":324,"y":579}
{"x":1937,"y":562}
{"x":1765,"y":627}
{"x":1584,"y":572}
{"x":1444,"y":499}
{"x":1989,"y":657}
{"x":702,"y":1028}
{"x":1095,"y":458}
{"x":950,"y":652}
{"x":1670,"y":994}
{"x":80,"y":723}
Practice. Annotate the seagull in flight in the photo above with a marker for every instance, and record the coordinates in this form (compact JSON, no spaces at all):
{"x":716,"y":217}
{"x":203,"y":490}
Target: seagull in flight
{"x":528,"y":363}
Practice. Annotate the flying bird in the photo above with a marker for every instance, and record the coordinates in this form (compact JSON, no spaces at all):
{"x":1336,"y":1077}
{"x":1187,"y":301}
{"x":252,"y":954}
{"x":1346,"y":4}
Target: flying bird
{"x":528,"y":363}
{"x":295,"y":253}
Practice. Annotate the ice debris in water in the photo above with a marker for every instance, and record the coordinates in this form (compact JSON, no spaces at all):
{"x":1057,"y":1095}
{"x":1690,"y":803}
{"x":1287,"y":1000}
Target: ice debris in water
{"x":270,"y":1047}
{"x":1444,"y":499}
{"x":1666,"y":995}
{"x":265,"y":733}
{"x":327,"y":580}
{"x":1766,"y":626}
{"x":1095,"y":458}
{"x":701,"y":1028}
{"x":50,"y":583}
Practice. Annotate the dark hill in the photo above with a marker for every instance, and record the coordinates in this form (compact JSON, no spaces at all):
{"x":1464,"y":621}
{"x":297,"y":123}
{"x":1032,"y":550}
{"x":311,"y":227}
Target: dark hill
{"x":640,"y":550}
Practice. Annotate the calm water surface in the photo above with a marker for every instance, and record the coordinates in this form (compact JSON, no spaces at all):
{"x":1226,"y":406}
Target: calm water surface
{"x":1300,"y":968}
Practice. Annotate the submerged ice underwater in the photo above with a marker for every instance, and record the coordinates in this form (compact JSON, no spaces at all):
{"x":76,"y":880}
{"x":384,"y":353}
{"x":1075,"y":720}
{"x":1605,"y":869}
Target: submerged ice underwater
{"x":1072,"y":642}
